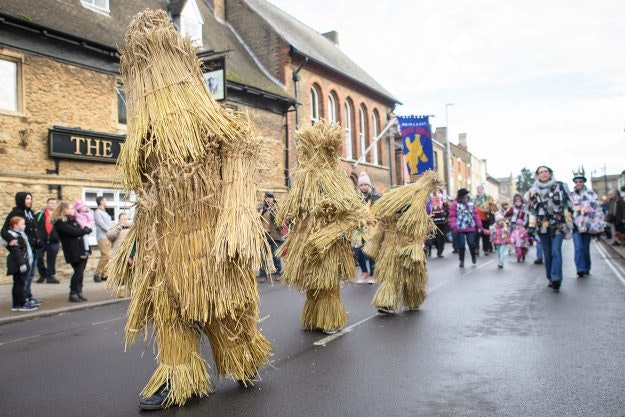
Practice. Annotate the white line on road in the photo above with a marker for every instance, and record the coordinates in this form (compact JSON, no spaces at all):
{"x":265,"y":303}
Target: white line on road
{"x":20,"y":339}
{"x":478,"y":267}
{"x":332,"y":337}
{"x":106,"y":321}
{"x":613,"y":265}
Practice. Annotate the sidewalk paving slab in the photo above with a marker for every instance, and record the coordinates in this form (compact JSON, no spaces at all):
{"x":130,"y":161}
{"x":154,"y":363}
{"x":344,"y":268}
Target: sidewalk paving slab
{"x":54,"y":299}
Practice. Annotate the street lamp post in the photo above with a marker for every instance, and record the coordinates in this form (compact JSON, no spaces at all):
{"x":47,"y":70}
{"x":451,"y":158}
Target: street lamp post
{"x":448,"y":151}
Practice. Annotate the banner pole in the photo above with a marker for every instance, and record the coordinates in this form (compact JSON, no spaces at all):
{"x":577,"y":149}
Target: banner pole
{"x":362,"y":157}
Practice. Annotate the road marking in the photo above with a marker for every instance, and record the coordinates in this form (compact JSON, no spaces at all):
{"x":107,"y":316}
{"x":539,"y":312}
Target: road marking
{"x":478,"y":267}
{"x":20,"y":340}
{"x":107,"y":321}
{"x":613,"y":265}
{"x":332,"y":337}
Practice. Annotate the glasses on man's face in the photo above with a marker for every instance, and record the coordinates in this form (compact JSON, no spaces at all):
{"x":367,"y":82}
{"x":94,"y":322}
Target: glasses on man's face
{"x":579,"y":181}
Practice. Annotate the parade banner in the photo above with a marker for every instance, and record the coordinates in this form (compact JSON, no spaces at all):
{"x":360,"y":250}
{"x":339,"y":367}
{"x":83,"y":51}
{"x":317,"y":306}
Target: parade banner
{"x":416,"y":136}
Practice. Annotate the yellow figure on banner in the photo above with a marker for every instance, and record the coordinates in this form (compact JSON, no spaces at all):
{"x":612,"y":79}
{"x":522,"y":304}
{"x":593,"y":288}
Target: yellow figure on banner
{"x":415,"y":153}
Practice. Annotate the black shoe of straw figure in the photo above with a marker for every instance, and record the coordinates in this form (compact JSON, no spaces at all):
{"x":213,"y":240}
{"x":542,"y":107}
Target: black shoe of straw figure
{"x":386,"y":310}
{"x":155,"y":401}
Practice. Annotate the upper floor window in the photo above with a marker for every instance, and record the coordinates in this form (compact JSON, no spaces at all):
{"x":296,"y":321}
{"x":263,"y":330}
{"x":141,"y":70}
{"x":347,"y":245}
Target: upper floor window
{"x":98,"y":5}
{"x":191,"y":23}
{"x":375,"y":124}
{"x":10,"y":81}
{"x":314,"y":105}
{"x":121,"y":104}
{"x":362,"y":131}
{"x":332,"y":110}
{"x":349,"y":152}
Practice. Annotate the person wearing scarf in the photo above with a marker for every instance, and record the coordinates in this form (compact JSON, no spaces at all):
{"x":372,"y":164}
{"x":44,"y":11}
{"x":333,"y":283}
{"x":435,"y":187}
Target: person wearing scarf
{"x":465,"y":223}
{"x":550,"y":217}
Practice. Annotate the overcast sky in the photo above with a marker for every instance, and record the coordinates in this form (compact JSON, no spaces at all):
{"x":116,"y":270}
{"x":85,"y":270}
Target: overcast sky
{"x":532,"y":81}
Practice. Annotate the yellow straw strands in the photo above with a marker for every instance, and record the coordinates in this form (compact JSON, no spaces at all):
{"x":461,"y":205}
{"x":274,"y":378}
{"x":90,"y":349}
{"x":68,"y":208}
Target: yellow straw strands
{"x":323,"y":210}
{"x":397,"y":245}
{"x":196,"y":238}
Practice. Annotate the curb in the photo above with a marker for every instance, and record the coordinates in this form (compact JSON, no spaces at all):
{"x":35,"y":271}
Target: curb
{"x":611,"y":250}
{"x":58,"y":311}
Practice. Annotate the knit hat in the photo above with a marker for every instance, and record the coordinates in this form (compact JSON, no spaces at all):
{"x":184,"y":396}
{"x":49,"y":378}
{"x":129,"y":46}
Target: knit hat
{"x":498,"y":216}
{"x":520,"y":222}
{"x":78,"y":204}
{"x":363,"y":178}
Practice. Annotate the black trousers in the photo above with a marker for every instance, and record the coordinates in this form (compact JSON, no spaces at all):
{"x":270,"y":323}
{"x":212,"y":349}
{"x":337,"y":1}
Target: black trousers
{"x":75,"y":284}
{"x":46,"y":261}
{"x":485,"y":238}
{"x":439,"y":239}
{"x":17,"y":292}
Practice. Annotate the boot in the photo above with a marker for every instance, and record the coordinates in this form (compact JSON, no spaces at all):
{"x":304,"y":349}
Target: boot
{"x":74,"y":298}
{"x":97,"y":278}
{"x":82,"y":297}
{"x":461,"y":256}
{"x":473,"y":252}
{"x":157,"y":400}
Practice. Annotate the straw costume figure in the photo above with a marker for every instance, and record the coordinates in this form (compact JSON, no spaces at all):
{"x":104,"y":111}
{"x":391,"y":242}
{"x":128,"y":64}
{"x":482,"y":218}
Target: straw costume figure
{"x":397,"y":246}
{"x":323,"y":211}
{"x":196,"y":239}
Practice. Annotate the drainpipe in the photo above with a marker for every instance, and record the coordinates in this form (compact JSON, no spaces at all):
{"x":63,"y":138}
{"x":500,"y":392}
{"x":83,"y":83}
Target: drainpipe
{"x":296,"y":79}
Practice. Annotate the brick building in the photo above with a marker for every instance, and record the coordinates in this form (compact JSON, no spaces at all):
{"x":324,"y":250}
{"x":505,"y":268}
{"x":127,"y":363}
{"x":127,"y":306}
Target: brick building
{"x":323,"y":80}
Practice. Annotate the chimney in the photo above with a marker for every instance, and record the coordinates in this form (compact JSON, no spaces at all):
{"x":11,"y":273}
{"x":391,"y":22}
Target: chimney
{"x":333,"y":36}
{"x":440,"y":134}
{"x":219,"y":9}
{"x":462,"y":140}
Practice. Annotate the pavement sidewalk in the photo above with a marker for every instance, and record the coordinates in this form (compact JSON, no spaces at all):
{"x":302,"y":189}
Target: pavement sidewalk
{"x":613,"y":250}
{"x":54,"y":299}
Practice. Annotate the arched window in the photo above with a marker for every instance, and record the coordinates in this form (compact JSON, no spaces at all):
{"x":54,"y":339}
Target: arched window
{"x":332,"y":110}
{"x":363,"y":132}
{"x":349,"y":152}
{"x":314,"y":105}
{"x":377,"y":149}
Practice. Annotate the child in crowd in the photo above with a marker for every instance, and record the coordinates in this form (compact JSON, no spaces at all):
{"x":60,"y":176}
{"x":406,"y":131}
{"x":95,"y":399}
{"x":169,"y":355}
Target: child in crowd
{"x":521,"y":240}
{"x":18,"y":261}
{"x":84,"y":217}
{"x":499,"y":233}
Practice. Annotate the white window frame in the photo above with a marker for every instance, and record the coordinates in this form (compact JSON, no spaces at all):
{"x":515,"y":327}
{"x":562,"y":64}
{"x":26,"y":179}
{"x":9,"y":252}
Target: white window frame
{"x":17,"y":105}
{"x":375,"y":121}
{"x":349,"y":152}
{"x":314,"y":105}
{"x":117,"y":203}
{"x":91,"y":4}
{"x":362,"y":133}
{"x":191,"y":23}
{"x":332,"y":108}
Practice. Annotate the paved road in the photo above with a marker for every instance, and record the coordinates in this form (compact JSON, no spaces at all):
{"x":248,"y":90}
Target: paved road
{"x":487,"y":342}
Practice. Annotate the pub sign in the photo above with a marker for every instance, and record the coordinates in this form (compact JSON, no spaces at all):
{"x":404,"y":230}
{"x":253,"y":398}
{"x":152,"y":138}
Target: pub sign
{"x":69,"y":143}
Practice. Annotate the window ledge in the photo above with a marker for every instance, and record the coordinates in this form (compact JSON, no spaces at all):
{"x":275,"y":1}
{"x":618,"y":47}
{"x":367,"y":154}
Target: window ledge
{"x":12,"y":113}
{"x":103,"y":12}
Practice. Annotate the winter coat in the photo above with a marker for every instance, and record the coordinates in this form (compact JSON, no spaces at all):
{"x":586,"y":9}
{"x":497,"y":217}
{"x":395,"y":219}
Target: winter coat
{"x":520,"y":238}
{"x":515,"y":213}
{"x":72,"y":239}
{"x":46,"y":238}
{"x":272,"y":230}
{"x":458,"y":210}
{"x":587,"y":213}
{"x":616,"y":211}
{"x":499,"y":235}
{"x":20,"y":210}
{"x":18,"y":255}
{"x":550,"y":208}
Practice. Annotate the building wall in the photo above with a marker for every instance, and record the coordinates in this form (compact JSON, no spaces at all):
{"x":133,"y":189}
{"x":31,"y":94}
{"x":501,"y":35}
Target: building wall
{"x":325,"y":85}
{"x":55,"y":94}
{"x":599,"y":184}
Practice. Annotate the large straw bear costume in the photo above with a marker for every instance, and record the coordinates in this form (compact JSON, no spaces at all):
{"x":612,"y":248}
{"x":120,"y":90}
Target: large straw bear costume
{"x":196,"y":238}
{"x":323,"y":210}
